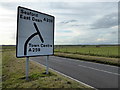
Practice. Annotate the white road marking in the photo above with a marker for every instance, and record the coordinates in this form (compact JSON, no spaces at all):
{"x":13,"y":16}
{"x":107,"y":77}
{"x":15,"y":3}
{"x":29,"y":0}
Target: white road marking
{"x":99,"y":70}
{"x":76,"y":60}
{"x":66,"y":75}
{"x":73,"y":78}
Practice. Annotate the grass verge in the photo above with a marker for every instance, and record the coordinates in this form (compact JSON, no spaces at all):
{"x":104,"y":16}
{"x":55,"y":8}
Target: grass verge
{"x":13,"y":75}
{"x":97,"y":59}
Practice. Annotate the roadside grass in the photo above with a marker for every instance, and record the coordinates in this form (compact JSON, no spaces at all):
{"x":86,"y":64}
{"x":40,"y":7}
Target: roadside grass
{"x":97,"y":59}
{"x":13,"y":75}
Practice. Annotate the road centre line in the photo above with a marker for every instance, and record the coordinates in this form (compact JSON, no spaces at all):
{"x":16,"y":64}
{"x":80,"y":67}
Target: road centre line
{"x":76,"y":60}
{"x":98,"y":70}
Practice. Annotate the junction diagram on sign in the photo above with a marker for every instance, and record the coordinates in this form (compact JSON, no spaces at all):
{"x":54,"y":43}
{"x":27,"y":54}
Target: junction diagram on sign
{"x":35,"y":33}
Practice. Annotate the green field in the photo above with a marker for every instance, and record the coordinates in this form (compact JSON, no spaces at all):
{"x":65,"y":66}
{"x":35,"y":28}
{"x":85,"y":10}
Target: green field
{"x":104,"y":51}
{"x":13,"y":74}
{"x":99,"y":54}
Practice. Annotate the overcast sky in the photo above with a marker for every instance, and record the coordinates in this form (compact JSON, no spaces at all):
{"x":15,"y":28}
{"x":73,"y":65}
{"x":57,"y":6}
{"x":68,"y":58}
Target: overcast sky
{"x":76,"y":22}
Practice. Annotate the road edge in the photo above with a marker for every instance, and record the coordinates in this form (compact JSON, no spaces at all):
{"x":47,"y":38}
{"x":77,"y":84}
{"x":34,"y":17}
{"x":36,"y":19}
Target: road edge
{"x":66,"y":75}
{"x":88,"y":58}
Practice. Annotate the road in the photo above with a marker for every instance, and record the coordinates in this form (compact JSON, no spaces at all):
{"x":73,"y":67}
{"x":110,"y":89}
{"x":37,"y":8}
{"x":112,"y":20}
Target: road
{"x":100,"y":76}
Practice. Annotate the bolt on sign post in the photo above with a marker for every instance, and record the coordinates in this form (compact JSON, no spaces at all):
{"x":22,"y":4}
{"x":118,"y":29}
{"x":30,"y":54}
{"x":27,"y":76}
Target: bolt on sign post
{"x":35,"y":34}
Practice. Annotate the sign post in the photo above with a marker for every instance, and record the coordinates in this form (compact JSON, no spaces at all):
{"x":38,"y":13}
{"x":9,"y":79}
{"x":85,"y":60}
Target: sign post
{"x":27,"y":68}
{"x":35,"y":35}
{"x":47,"y":67}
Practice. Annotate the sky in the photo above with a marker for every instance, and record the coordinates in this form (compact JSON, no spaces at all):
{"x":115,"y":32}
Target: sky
{"x":76,"y":21}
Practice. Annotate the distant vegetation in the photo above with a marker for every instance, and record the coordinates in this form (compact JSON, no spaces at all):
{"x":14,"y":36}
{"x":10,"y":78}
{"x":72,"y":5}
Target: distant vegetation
{"x":92,"y":50}
{"x":105,"y":54}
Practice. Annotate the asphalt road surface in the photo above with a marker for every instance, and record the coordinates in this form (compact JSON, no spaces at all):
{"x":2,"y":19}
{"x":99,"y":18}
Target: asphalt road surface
{"x":99,"y":76}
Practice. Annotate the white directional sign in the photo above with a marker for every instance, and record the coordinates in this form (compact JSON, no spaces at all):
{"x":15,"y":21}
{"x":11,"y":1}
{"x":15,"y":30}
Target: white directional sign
{"x":35,"y":33}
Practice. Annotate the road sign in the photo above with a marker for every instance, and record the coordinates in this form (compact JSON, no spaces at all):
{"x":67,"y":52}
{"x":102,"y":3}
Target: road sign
{"x":35,"y":33}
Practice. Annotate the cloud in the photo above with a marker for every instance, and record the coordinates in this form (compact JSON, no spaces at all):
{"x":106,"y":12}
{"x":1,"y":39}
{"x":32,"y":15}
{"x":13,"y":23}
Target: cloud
{"x":106,"y":21}
{"x":9,"y":1}
{"x":101,"y":39}
{"x":68,"y":21}
{"x":89,"y":37}
{"x":114,"y":32}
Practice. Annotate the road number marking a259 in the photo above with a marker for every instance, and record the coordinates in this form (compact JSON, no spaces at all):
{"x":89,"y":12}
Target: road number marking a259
{"x":34,"y":50}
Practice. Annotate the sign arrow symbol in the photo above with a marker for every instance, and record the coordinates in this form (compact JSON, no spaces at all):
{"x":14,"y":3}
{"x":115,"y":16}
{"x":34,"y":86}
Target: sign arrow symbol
{"x":38,"y":32}
{"x":29,"y":38}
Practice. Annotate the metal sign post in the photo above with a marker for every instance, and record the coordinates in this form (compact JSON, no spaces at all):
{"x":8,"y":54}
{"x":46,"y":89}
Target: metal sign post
{"x":27,"y":68}
{"x":47,"y":67}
